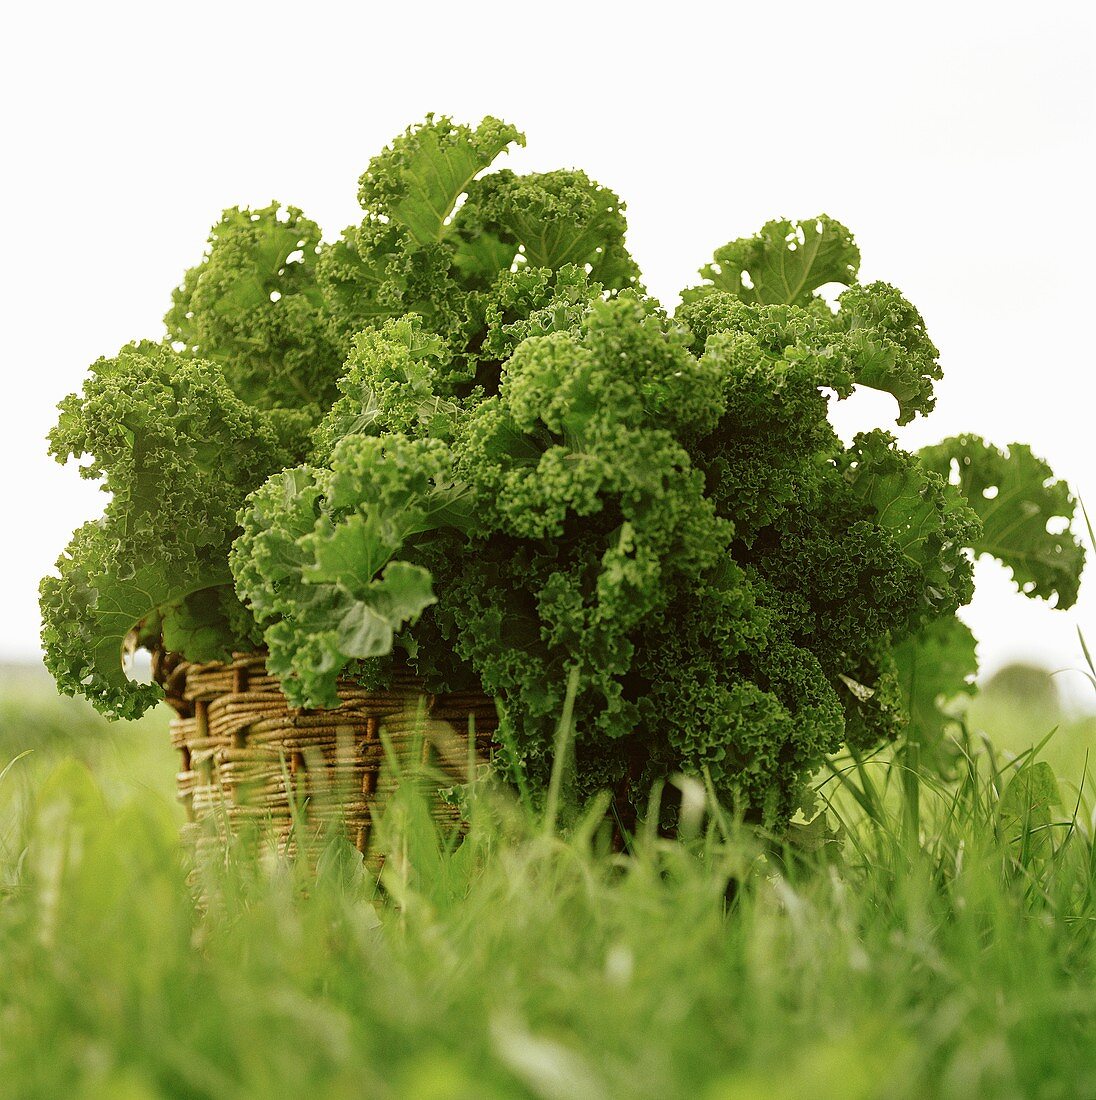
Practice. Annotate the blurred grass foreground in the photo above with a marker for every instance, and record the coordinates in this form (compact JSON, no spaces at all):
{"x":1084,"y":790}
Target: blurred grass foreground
{"x":944,"y":949}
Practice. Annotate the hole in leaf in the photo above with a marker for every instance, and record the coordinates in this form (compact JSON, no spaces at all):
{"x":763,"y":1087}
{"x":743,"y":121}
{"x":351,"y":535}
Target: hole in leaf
{"x":829,"y":293}
{"x":865,"y":408}
{"x":137,"y":665}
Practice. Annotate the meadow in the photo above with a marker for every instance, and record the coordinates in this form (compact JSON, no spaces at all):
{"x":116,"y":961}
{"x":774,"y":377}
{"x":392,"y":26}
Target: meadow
{"x":941,"y":945}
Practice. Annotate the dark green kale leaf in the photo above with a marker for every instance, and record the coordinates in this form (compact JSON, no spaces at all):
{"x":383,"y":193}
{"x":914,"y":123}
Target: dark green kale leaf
{"x":590,"y":516}
{"x":728,"y":698}
{"x":935,"y":666}
{"x":928,"y":520}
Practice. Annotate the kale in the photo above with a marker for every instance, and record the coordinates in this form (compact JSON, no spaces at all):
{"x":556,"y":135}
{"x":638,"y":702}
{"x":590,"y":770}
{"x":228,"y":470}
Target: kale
{"x":462,"y":437}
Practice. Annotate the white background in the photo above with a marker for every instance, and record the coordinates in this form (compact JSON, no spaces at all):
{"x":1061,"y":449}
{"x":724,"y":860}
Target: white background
{"x":956,"y":141}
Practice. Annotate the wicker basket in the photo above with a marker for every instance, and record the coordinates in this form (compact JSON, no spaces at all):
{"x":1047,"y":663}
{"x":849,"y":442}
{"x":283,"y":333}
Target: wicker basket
{"x":250,"y":760}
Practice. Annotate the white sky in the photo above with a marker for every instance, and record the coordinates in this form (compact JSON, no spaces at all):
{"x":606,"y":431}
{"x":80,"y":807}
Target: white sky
{"x":955,"y":140}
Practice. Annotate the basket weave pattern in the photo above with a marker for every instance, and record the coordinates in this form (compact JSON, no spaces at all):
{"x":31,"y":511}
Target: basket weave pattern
{"x":248,"y":756}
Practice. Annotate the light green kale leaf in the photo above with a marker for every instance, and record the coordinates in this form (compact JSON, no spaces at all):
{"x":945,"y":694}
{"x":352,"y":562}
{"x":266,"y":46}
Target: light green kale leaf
{"x":473,"y":255}
{"x":376,"y":271}
{"x":316,"y":559}
{"x":177,"y":451}
{"x":532,"y":301}
{"x":876,"y":339}
{"x":629,"y":367}
{"x":92,"y":618}
{"x":418,"y":179}
{"x":786,"y":262}
{"x":391,"y":385}
{"x":254,"y":306}
{"x":1025,"y":513}
{"x":888,"y":348}
{"x":553,"y":219}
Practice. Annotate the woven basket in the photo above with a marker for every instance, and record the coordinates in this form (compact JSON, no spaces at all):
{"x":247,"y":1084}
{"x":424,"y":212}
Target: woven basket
{"x":250,"y":760}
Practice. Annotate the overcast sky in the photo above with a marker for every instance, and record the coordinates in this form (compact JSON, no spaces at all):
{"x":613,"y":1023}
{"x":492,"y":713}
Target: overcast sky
{"x":956,"y":141}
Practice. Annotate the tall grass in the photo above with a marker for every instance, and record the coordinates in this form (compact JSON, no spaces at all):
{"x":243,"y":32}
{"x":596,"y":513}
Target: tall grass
{"x":883,"y":950}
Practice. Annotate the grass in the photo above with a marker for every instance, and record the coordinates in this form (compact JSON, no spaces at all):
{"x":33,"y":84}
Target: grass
{"x":945,"y":949}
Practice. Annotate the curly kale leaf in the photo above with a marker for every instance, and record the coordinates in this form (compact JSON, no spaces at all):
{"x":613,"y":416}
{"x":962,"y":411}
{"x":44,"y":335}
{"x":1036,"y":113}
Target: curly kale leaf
{"x":418,"y":179}
{"x":177,"y":451}
{"x":591,"y":515}
{"x":484,"y":260}
{"x":458,"y":265}
{"x":926,"y":517}
{"x":763,"y":454}
{"x":403,"y":377}
{"x":786,"y":262}
{"x":253,"y":305}
{"x":579,"y":418}
{"x":1025,"y":513}
{"x":553,"y":219}
{"x":845,"y":548}
{"x":586,"y":465}
{"x":391,"y":385}
{"x":92,"y":618}
{"x":628,"y":368}
{"x":200,"y":625}
{"x":871,"y":695}
{"x":888,"y":348}
{"x":935,"y":665}
{"x":727,"y":697}
{"x":530,"y":301}
{"x":316,"y":560}
{"x":376,"y":271}
{"x":876,"y":339}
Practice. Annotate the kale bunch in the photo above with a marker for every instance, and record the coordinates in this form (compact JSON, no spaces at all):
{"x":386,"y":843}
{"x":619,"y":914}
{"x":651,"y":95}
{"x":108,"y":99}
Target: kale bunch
{"x":463,"y":438}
